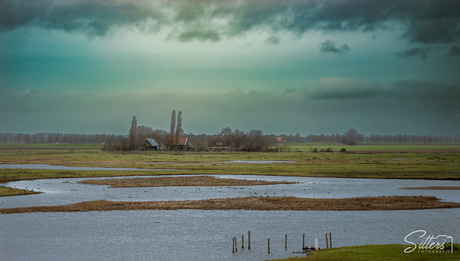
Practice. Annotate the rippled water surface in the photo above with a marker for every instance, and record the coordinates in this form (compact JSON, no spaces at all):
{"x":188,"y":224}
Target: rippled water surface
{"x":207,"y":235}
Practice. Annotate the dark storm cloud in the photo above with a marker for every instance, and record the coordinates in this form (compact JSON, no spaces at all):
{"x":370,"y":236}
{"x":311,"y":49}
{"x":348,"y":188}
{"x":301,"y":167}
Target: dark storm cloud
{"x":339,"y":88}
{"x":421,"y":90}
{"x":273,"y":40}
{"x":422,"y":52}
{"x":413,"y":109}
{"x":199,"y":35}
{"x":425,"y":21}
{"x":455,"y":50}
{"x":331,"y":47}
{"x":89,"y":17}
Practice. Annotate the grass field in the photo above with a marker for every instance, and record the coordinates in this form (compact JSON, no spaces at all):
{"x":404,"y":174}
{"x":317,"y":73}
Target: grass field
{"x":376,"y":253}
{"x":440,"y":162}
{"x":372,"y":147}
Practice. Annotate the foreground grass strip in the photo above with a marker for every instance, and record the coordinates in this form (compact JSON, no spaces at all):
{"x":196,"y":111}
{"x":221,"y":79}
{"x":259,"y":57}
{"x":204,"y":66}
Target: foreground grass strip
{"x":433,"y":188}
{"x":254,"y":203}
{"x":7,"y":191}
{"x":376,"y":253}
{"x":179,"y":181}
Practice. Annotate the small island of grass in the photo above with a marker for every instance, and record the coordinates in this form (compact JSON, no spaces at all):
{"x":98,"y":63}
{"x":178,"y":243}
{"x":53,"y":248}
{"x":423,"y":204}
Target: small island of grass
{"x":179,"y":181}
{"x":254,"y":203}
{"x":7,"y":191}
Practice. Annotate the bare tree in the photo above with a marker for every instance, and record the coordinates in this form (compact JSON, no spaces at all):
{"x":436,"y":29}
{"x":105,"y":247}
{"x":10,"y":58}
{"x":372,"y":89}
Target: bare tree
{"x":255,"y":140}
{"x":179,"y":128}
{"x":160,"y":136}
{"x":143,"y":132}
{"x":350,"y":137}
{"x":173,"y":126}
{"x":238,"y":137}
{"x":132,"y":134}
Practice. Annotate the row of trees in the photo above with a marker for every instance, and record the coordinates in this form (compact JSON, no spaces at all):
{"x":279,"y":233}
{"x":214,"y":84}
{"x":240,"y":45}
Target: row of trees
{"x":57,"y":137}
{"x":253,"y":140}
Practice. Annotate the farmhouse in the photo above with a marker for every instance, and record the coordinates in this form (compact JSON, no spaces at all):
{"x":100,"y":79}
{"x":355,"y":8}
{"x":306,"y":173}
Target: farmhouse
{"x":281,"y":139}
{"x":149,"y":144}
{"x":219,"y":143}
{"x":183,"y":144}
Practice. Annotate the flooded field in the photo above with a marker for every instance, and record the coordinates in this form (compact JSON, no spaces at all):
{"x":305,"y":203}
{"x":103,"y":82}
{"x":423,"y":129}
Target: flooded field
{"x":207,"y":234}
{"x":46,"y":166}
{"x":204,"y":235}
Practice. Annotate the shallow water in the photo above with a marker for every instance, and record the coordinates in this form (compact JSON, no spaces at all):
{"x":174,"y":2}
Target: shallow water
{"x":69,"y":191}
{"x":207,"y":235}
{"x":46,"y":166}
{"x":204,"y":235}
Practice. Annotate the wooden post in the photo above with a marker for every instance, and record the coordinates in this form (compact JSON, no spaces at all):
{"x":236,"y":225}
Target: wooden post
{"x":233,"y":245}
{"x":303,"y":242}
{"x":327,"y":244}
{"x":269,"y":245}
{"x":242,"y":241}
{"x":285,"y":241}
{"x":249,"y":239}
{"x":236,"y":244}
{"x":330,"y":240}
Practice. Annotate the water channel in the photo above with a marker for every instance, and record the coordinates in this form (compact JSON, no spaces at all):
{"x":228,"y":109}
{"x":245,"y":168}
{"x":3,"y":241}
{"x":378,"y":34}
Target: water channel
{"x":207,"y":235}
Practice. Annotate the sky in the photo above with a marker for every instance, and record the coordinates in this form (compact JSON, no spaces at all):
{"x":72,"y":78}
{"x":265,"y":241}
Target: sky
{"x":280,"y":66}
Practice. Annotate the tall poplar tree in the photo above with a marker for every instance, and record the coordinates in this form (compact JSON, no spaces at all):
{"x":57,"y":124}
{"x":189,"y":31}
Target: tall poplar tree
{"x":132,"y":134}
{"x":173,"y":126}
{"x":178,"y":128}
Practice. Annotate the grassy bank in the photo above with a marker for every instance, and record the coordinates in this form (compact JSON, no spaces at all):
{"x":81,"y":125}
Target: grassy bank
{"x":179,"y":182}
{"x":382,"y":165}
{"x":6,"y":191}
{"x":376,"y":253}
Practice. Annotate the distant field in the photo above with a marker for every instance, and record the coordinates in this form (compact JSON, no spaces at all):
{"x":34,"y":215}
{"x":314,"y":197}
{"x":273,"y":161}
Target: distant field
{"x":304,"y":147}
{"x":370,"y":147}
{"x":51,"y":146}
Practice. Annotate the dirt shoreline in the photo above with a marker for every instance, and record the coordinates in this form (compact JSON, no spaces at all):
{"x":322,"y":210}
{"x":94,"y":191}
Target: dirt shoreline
{"x":254,"y":203}
{"x":179,"y":181}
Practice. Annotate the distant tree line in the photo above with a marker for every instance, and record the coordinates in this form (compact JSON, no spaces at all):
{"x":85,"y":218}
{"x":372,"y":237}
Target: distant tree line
{"x":360,"y":138}
{"x":253,"y":140}
{"x":58,"y":138}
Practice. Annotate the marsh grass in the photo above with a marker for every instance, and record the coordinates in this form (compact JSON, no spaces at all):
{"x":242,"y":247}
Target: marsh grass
{"x":7,"y":191}
{"x":375,"y":252}
{"x":179,"y":181}
{"x":255,"y":203}
{"x":382,"y":165}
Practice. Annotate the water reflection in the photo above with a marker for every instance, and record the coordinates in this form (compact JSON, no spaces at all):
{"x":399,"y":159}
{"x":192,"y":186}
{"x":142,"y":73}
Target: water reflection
{"x":207,"y":235}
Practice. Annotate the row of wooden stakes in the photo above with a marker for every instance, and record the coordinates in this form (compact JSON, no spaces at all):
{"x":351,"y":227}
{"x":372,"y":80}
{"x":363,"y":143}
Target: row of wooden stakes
{"x":304,"y":248}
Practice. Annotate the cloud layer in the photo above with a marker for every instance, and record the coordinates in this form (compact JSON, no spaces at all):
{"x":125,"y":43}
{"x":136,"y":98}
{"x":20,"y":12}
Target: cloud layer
{"x":331,"y":47}
{"x":425,"y":21}
{"x":339,"y":88}
{"x":422,"y":52}
{"x":333,"y":105}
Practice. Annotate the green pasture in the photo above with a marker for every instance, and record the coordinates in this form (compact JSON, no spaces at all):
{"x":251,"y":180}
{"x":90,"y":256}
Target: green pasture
{"x":376,"y":253}
{"x":307,"y":147}
{"x":391,"y":165}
